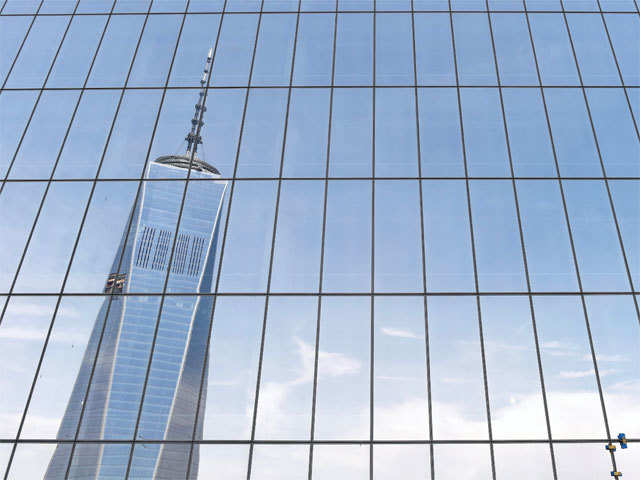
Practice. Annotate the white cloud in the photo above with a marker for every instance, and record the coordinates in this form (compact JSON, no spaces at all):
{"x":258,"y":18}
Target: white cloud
{"x":572,"y":374}
{"x":397,"y":332}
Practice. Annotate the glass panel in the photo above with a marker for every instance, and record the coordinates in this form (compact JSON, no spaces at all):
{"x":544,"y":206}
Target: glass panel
{"x":513,"y":49}
{"x":400,"y":387}
{"x":434,"y":53}
{"x":394,"y":50}
{"x":582,"y":459}
{"x":275,"y":49}
{"x":517,"y":409}
{"x":198,"y":35}
{"x":233,"y":367}
{"x":594,"y":233}
{"x":235,"y":50}
{"x":13,"y":30}
{"x":484,"y":132}
{"x":572,"y":134}
{"x":153,"y":59}
{"x":447,"y":239}
{"x":85,"y":143}
{"x":347,"y":243}
{"x":557,"y":65}
{"x":354,"y":51}
{"x":625,"y":36}
{"x":359,"y":5}
{"x":296,"y":255}
{"x":473,"y":49}
{"x":318,"y":5}
{"x":206,"y":5}
{"x":396,"y":146}
{"x":410,"y":462}
{"x":226,"y":462}
{"x":22,"y":336}
{"x":19,"y":204}
{"x":127,"y":6}
{"x":243,"y":5}
{"x":15,"y":108}
{"x":617,"y":138}
{"x":30,"y":461}
{"x":286,"y":462}
{"x":248,"y":241}
{"x":498,"y":247}
{"x":618,"y":5}
{"x":41,"y":144}
{"x":523,"y":461}
{"x":114,"y":57}
{"x":625,"y":196}
{"x":126,"y":152}
{"x":546,"y":238}
{"x":440,"y":140}
{"x":48,"y":255}
{"x":398,"y":251}
{"x":457,"y":390}
{"x":37,"y":54}
{"x":476,"y":459}
{"x":332,"y":462}
{"x":314,"y":52}
{"x":531,"y":151}
{"x":351,"y":133}
{"x":78,"y":49}
{"x":286,"y":385}
{"x":592,"y":49}
{"x":261,"y":149}
{"x":616,"y":336}
{"x":20,"y":6}
{"x":574,"y":405}
{"x":342,"y":404}
{"x":306,"y":150}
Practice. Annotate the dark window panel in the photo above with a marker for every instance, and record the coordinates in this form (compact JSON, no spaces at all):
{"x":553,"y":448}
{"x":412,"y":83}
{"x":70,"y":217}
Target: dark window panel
{"x":447,"y":238}
{"x":314,"y":52}
{"x":513,"y":49}
{"x":592,"y":49}
{"x":396,"y":146}
{"x":498,"y":247}
{"x":306,"y":148}
{"x":275,"y":50}
{"x":473,"y":49}
{"x":531,"y":150}
{"x":546,"y":238}
{"x":553,"y":50}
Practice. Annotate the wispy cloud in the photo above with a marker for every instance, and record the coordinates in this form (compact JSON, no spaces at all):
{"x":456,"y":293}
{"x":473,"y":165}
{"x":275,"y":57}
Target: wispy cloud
{"x":573,"y":374}
{"x":398,"y":332}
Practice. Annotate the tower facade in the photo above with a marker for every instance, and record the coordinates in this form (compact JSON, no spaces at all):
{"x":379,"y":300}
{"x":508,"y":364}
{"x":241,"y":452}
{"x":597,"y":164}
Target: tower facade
{"x":142,"y":369}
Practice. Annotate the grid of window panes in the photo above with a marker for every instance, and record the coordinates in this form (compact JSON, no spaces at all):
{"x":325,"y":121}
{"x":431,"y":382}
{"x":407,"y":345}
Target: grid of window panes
{"x":429,"y":248}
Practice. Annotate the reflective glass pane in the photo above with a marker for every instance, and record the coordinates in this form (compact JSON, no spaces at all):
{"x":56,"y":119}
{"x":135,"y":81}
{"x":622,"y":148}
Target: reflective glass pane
{"x":405,"y":461}
{"x":523,"y":461}
{"x":474,"y":52}
{"x":235,"y":50}
{"x":625,"y":36}
{"x":434,"y":53}
{"x":287,"y":462}
{"x":275,"y":50}
{"x":340,"y":461}
{"x":13,"y":31}
{"x":476,"y":459}
{"x":625,"y":197}
{"x":513,"y":49}
{"x":394,"y":50}
{"x":314,"y":52}
{"x":354,"y":50}
{"x":15,"y":108}
{"x":555,"y":58}
{"x":30,"y":461}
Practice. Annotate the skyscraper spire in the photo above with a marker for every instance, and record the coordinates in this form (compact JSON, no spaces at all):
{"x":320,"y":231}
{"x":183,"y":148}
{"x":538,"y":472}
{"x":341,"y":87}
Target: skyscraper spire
{"x":193,"y":138}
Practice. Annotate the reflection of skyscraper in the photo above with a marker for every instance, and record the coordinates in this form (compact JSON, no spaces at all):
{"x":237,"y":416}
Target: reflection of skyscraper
{"x":110,"y":411}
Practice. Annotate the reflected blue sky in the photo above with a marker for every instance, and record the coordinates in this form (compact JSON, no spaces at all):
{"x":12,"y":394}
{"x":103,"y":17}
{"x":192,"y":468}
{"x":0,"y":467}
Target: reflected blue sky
{"x":399,"y":236}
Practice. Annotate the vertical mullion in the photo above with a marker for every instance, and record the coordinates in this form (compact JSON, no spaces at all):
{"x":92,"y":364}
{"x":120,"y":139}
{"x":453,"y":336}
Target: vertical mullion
{"x":273,"y":240}
{"x":569,"y":229}
{"x":615,"y":58}
{"x":473,"y":252}
{"x":322,"y":245}
{"x":373,"y":248}
{"x":424,"y":257}
{"x":24,"y":39}
{"x":523,"y":248}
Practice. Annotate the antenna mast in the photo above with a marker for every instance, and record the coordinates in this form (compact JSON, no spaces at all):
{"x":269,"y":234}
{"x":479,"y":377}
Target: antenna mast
{"x":193,"y":138}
